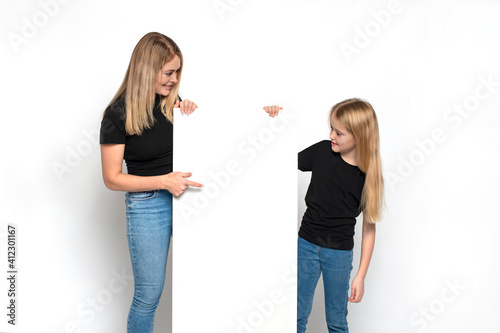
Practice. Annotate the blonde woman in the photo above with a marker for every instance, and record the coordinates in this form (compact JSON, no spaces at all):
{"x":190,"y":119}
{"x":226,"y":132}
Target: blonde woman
{"x":137,"y":127}
{"x":346,"y":180}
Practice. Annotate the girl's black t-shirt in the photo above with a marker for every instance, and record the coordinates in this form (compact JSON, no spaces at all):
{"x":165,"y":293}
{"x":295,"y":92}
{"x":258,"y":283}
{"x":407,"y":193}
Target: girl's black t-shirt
{"x":332,"y":199}
{"x":148,"y":154}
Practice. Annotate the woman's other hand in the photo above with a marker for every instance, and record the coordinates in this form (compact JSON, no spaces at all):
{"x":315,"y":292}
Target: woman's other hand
{"x":272,"y":110}
{"x":187,"y":107}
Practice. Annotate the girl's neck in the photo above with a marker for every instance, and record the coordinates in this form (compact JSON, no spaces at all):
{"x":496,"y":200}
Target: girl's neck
{"x":350,"y":158}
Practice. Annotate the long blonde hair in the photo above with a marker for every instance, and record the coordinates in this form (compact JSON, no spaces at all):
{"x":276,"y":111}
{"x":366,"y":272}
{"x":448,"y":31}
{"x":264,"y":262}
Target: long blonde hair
{"x":359,"y":118}
{"x":151,"y":53}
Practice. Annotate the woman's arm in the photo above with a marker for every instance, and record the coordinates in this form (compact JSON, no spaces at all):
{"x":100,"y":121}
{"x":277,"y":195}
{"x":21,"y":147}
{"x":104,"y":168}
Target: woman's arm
{"x":112,"y":159}
{"x":367,"y":244}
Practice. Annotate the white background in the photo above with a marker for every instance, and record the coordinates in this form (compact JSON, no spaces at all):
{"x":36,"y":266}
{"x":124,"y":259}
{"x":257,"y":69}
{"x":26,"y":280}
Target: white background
{"x":435,"y":264}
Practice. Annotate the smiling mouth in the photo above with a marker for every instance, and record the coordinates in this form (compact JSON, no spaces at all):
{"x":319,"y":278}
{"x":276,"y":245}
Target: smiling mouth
{"x":334,"y":144}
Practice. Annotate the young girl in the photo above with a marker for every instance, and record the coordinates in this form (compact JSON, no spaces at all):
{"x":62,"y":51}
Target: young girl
{"x":346,"y":180}
{"x":137,"y":127}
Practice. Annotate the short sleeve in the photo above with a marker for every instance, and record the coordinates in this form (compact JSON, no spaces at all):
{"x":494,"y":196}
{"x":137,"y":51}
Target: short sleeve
{"x":112,"y":127}
{"x":306,"y":157}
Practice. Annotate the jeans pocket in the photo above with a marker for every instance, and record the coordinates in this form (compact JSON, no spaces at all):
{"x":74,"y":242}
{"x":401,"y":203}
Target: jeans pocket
{"x":140,"y":196}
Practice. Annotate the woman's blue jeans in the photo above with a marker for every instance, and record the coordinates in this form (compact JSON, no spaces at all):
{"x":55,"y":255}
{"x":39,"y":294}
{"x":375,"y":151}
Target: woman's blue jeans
{"x":149,"y":228}
{"x":336,"y":266}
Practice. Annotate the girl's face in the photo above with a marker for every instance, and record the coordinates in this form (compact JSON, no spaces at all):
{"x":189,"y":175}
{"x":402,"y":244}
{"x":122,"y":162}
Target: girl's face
{"x":343,"y":141}
{"x":167,"y":77}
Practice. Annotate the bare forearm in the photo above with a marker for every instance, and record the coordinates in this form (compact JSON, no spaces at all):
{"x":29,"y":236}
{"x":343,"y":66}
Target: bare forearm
{"x":116,"y":180}
{"x":174,"y":182}
{"x":367,"y":245}
{"x":112,"y":159}
{"x":132,"y":183}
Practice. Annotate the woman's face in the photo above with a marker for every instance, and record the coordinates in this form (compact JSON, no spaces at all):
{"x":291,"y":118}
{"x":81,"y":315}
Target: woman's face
{"x":167,"y":77}
{"x":343,"y":141}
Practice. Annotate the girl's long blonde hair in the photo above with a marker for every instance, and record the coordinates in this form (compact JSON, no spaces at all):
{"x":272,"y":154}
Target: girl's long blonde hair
{"x":151,"y":53}
{"x":359,"y":118}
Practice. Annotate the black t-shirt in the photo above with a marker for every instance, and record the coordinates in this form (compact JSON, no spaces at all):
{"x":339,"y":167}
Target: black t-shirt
{"x":148,"y":154}
{"x":332,"y":199}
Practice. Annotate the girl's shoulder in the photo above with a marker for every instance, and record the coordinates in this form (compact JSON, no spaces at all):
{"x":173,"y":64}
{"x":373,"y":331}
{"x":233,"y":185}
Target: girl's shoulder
{"x":325,"y":144}
{"x":322,"y":147}
{"x":319,"y":151}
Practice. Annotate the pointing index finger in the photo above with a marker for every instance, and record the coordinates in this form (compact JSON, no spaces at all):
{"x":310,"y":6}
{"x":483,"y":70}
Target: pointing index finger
{"x":194,"y":184}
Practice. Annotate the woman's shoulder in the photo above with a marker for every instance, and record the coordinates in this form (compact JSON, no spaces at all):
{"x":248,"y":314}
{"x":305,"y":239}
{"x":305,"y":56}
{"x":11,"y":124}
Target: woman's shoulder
{"x":116,"y":109}
{"x":113,"y":123}
{"x":117,"y":105}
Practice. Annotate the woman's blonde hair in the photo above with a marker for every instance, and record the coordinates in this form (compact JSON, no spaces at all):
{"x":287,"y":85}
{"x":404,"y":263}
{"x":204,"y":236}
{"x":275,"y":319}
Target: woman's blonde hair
{"x":151,"y":53}
{"x":359,"y":118}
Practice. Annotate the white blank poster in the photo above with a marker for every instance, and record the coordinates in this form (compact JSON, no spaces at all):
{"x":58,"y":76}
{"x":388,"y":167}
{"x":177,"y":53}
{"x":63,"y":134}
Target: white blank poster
{"x":234,"y":240}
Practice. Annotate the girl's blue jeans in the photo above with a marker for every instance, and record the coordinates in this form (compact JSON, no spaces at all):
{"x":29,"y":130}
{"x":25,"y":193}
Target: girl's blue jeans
{"x":336,"y":266}
{"x":149,"y":229}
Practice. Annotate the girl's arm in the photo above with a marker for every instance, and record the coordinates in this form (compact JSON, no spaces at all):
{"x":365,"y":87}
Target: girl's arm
{"x":112,"y":159}
{"x":367,"y":244}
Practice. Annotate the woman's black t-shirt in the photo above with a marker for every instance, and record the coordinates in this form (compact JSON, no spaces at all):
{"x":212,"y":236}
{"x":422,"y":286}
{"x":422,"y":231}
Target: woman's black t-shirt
{"x":148,"y":154}
{"x":332,"y":199}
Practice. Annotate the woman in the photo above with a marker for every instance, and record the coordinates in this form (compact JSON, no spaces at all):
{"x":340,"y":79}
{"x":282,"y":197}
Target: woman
{"x":137,"y":127}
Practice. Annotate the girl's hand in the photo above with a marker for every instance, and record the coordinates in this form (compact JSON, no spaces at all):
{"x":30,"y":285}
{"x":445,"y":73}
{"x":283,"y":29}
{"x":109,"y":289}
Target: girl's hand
{"x":273,"y":110}
{"x":357,"y":289}
{"x":187,"y":106}
{"x":177,"y":182}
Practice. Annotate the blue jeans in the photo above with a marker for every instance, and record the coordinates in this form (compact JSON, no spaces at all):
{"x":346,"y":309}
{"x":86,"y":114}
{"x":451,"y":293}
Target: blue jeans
{"x":336,"y":266}
{"x":149,"y":229}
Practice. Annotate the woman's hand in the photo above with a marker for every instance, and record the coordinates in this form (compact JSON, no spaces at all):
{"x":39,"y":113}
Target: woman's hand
{"x":357,"y":289}
{"x":273,"y":110}
{"x":177,"y":182}
{"x":187,"y":107}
